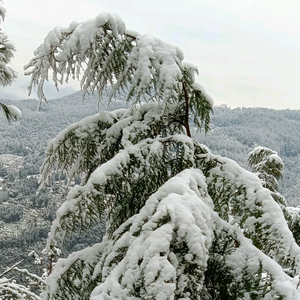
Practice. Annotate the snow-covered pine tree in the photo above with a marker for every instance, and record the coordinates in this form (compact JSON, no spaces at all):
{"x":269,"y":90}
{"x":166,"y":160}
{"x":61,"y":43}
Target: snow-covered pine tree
{"x":182,"y":223}
{"x":7,"y":49}
{"x":7,"y":74}
{"x":268,"y":166}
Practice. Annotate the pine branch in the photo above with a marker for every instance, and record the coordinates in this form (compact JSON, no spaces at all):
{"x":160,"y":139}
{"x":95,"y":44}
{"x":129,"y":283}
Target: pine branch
{"x":11,"y":112}
{"x":33,"y":276}
{"x":11,"y":268}
{"x":147,"y":68}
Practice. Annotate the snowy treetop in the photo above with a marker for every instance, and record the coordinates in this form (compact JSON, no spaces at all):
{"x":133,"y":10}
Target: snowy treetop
{"x":102,"y":53}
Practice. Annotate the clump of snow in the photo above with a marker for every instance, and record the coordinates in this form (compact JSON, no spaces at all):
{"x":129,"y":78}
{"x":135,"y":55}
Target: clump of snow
{"x":132,"y":33}
{"x":148,"y":259}
{"x":261,"y":217}
{"x":14,"y":111}
{"x":199,"y":87}
{"x":247,"y":260}
{"x":140,"y":254}
{"x":276,"y":159}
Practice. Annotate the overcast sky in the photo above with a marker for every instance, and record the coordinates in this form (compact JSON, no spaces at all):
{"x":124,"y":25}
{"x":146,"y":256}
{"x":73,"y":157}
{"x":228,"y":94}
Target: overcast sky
{"x":247,"y":51}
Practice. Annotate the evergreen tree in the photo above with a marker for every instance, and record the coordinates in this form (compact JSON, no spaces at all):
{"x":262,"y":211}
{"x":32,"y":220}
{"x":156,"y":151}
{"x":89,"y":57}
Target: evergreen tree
{"x":181,"y":222}
{"x":268,"y":166}
{"x":7,"y":74}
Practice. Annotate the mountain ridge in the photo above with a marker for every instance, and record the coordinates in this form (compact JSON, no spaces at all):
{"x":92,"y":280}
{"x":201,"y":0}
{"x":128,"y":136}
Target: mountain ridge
{"x":235,"y":132}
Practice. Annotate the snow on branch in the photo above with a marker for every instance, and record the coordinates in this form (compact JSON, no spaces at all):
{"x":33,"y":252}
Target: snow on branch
{"x":74,"y":274}
{"x":103,"y":50}
{"x":144,"y":253}
{"x":107,"y":191}
{"x":101,"y":53}
{"x":11,"y":112}
{"x":246,"y":260}
{"x":7,"y":49}
{"x":261,"y":218}
{"x":66,"y":50}
{"x":77,"y":148}
{"x":178,"y":215}
{"x":164,"y":251}
{"x":83,"y":146}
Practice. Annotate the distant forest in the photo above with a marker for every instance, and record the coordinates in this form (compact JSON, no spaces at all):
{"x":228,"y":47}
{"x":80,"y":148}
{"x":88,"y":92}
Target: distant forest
{"x":25,"y":216}
{"x":234,"y":133}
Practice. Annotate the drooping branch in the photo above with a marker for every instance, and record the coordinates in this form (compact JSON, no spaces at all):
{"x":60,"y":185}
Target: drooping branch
{"x":11,"y":112}
{"x":115,"y":59}
{"x":11,"y":268}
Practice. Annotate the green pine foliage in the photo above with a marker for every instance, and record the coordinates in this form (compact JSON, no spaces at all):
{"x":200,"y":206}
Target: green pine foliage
{"x":294,"y":222}
{"x":107,"y":54}
{"x":181,"y":222}
{"x":7,"y":74}
{"x":268,"y":166}
{"x":10,"y":112}
{"x":7,"y":49}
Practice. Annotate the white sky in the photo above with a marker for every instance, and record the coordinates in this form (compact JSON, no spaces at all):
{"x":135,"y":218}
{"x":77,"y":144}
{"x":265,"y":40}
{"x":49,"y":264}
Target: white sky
{"x":247,"y":51}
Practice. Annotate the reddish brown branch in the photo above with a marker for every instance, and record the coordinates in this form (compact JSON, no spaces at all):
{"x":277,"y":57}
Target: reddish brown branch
{"x":186,"y":116}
